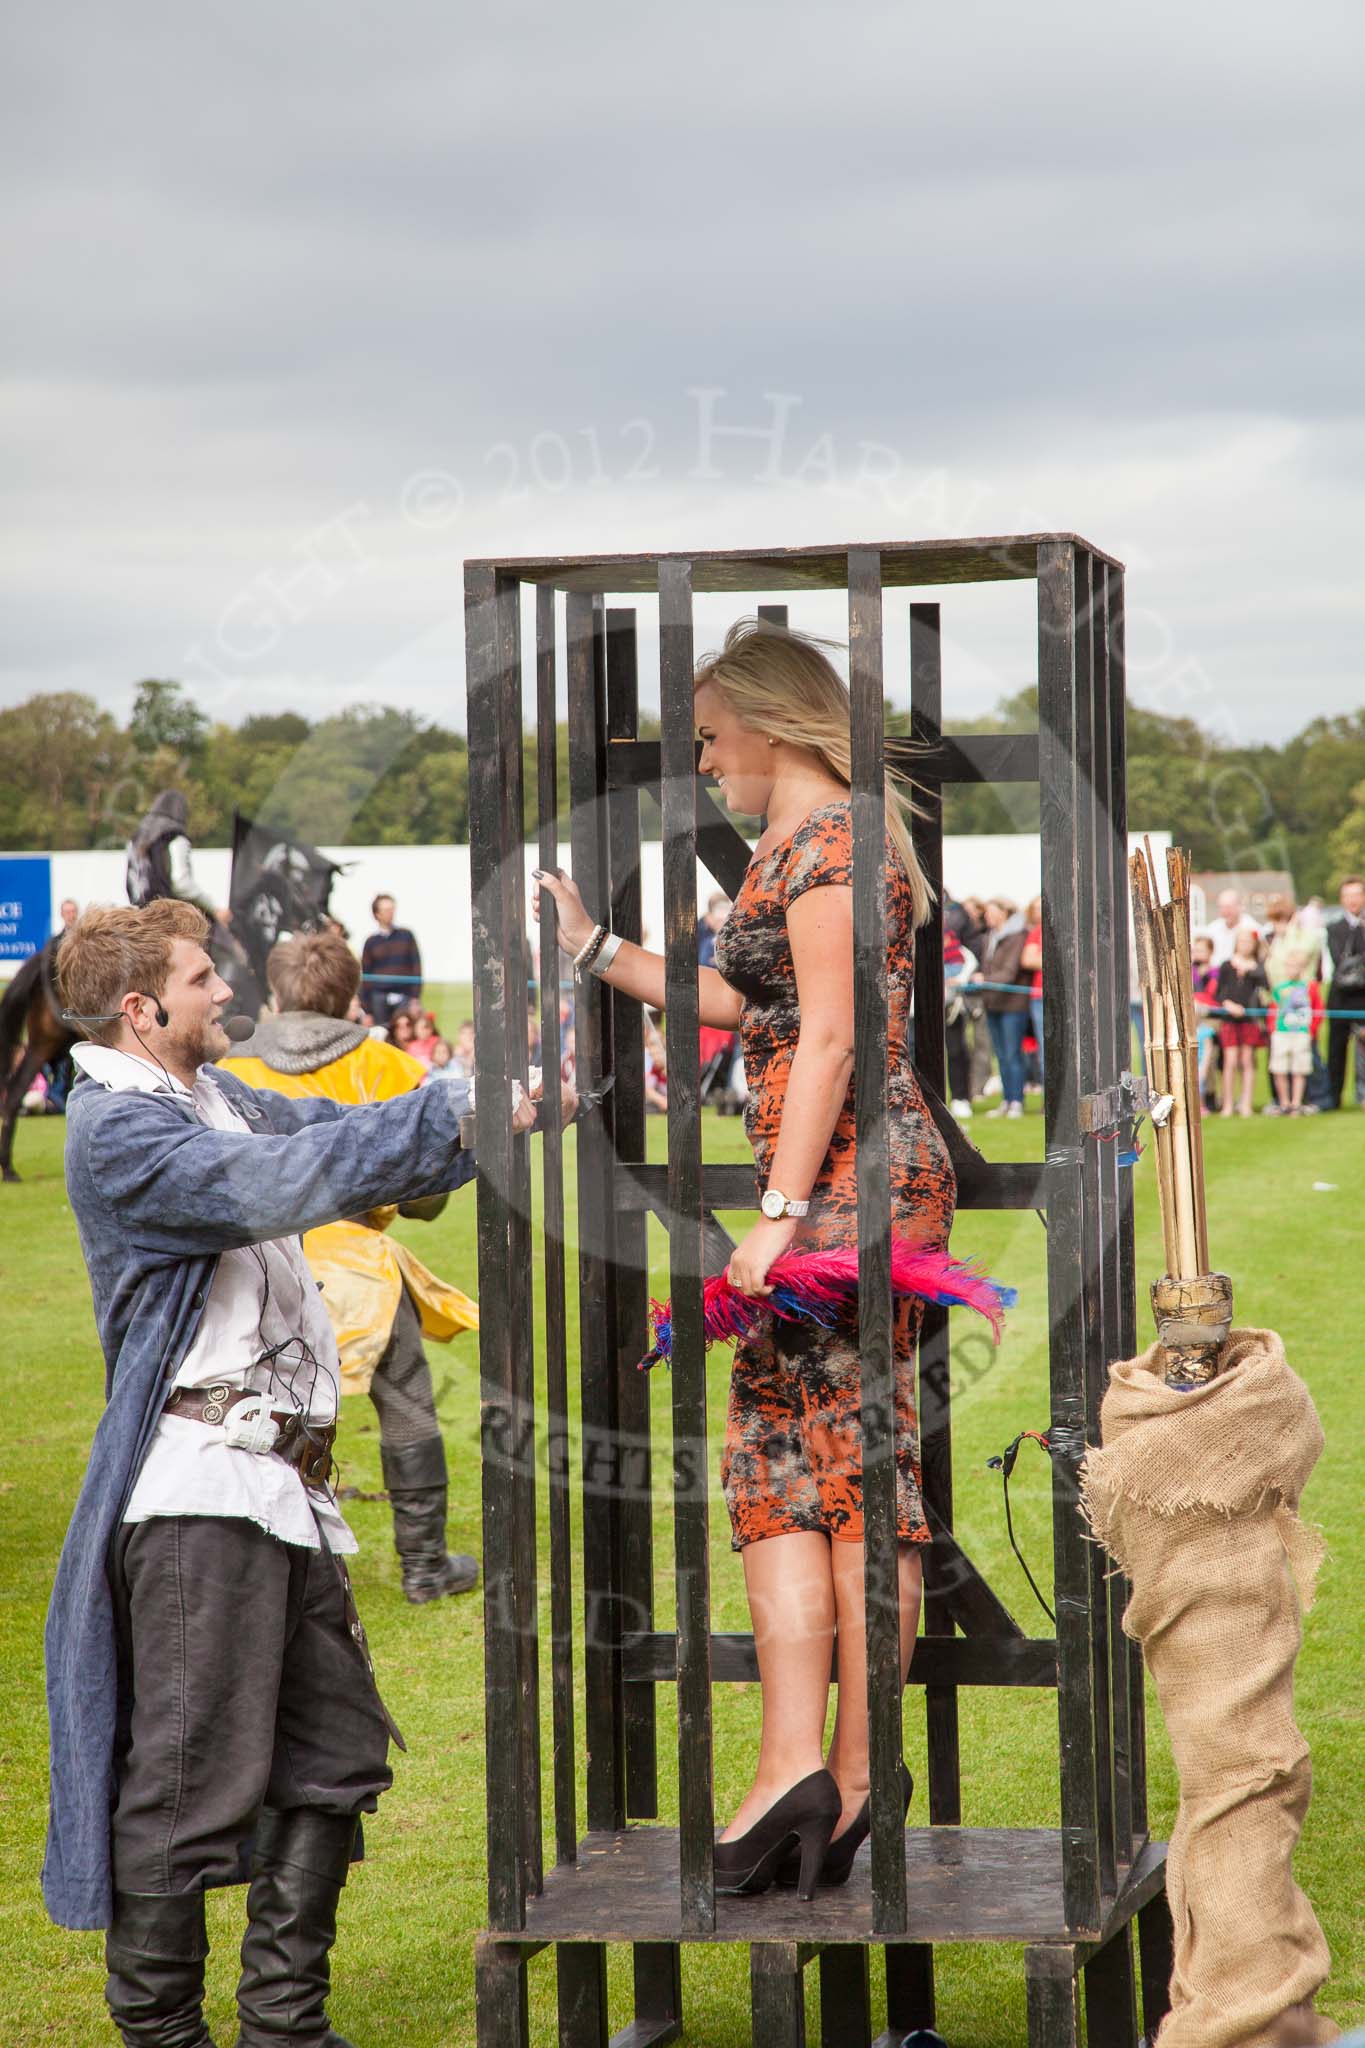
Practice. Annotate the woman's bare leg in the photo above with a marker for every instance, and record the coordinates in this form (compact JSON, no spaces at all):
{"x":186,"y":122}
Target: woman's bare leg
{"x":848,"y":1746}
{"x":791,"y":1599}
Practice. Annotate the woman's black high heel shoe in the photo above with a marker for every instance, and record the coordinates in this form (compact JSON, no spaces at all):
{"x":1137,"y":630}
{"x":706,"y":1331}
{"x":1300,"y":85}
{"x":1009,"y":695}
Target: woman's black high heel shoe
{"x":807,"y":1814}
{"x":839,"y":1855}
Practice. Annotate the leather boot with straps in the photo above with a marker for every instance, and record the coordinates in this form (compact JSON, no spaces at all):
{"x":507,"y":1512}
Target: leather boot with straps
{"x":416,"y":1480}
{"x":302,"y":1857}
{"x":155,"y":1951}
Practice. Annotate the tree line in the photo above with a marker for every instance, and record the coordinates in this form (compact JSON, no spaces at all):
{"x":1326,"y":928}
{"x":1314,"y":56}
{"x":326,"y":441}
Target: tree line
{"x":72,"y":776}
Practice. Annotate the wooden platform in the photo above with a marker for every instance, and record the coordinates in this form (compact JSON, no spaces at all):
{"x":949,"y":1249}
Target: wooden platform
{"x":963,"y":1884}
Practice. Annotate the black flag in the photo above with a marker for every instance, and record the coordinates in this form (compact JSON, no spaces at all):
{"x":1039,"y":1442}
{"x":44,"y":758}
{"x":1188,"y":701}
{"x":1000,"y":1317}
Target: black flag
{"x":279,"y":885}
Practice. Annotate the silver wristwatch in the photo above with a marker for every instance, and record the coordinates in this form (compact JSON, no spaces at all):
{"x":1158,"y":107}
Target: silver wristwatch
{"x":775,"y":1206}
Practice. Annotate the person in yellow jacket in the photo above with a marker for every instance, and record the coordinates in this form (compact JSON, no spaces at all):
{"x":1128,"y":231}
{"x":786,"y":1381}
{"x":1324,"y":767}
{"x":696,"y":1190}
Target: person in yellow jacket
{"x":381,"y":1299}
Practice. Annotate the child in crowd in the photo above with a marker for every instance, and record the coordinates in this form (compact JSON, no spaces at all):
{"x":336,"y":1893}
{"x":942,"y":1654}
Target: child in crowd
{"x":1241,"y":987}
{"x":959,"y":965}
{"x":1031,"y":962}
{"x":1294,"y":1022}
{"x":1205,"y":977}
{"x":424,"y":1037}
{"x":439,"y":1066}
{"x":462,"y":1052}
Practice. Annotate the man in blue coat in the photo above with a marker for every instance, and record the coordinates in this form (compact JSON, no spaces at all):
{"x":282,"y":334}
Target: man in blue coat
{"x":214,"y":1713}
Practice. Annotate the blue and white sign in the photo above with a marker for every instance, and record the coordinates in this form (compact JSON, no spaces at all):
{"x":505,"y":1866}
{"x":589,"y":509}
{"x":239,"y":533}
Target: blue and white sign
{"x":25,"y":905}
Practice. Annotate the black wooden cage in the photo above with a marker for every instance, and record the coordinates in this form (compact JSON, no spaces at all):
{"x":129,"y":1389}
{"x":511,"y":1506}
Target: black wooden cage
{"x":1072,"y":1895}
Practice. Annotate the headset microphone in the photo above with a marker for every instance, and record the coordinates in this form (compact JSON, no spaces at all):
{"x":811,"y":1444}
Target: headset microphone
{"x":73,"y":1016}
{"x":237,"y":1028}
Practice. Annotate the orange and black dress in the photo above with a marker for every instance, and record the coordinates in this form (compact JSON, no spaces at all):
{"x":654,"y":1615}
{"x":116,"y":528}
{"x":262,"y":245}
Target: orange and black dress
{"x":793,"y":1447}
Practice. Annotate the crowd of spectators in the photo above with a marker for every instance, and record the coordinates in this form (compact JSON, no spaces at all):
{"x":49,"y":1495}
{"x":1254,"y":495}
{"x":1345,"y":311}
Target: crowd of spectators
{"x":993,"y":997}
{"x":1260,"y":989}
{"x":1270,"y":988}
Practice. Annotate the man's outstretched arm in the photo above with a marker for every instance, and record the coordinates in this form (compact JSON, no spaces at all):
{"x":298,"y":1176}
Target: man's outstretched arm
{"x":181,"y":1187}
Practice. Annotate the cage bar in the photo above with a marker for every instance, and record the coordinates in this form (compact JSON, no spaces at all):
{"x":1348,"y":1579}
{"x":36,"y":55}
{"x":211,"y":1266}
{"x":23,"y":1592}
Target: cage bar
{"x":525,"y":1572}
{"x":603,"y":1702}
{"x":696,"y":1873}
{"x":632,"y":1253}
{"x":1091,"y":1275}
{"x":935,"y":1364}
{"x":488,"y":663}
{"x":875,"y":1313}
{"x":1127,"y":1343}
{"x":556,"y":1324}
{"x":1063,"y":941}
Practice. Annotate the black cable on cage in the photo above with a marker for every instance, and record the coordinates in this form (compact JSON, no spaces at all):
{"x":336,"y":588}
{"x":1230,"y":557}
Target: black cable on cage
{"x":1004,"y":1465}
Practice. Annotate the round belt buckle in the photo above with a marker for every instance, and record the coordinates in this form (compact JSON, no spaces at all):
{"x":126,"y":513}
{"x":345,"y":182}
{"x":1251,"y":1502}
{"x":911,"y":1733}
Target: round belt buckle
{"x":215,"y":1402}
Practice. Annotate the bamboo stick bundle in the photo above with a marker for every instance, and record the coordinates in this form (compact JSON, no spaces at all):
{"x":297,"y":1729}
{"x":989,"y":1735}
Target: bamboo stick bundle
{"x":1186,"y":1199}
{"x":1153,"y":1037}
{"x":1178,"y":878}
{"x":1192,"y":1305}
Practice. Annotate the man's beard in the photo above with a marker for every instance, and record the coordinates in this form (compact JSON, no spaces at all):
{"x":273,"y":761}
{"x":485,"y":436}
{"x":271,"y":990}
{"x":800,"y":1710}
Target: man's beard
{"x":199,"y":1047}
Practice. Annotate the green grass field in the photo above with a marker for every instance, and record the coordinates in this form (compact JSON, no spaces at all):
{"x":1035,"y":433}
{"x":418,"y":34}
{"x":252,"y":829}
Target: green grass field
{"x":403,"y":1961}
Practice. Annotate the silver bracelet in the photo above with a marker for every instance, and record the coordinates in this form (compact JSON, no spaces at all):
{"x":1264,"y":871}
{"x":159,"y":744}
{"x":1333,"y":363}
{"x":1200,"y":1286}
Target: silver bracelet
{"x":606,"y":953}
{"x":590,"y":945}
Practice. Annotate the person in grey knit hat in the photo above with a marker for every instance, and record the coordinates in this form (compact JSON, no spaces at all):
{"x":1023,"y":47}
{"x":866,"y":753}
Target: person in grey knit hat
{"x":381,"y":1299}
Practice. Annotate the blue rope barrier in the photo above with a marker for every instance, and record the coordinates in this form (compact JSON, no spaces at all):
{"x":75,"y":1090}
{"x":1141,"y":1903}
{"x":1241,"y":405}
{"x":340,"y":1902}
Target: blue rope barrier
{"x":1215,"y":1015}
{"x":954,"y":987}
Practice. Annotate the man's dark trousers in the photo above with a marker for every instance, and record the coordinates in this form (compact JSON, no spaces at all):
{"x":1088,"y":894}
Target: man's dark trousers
{"x":248,"y":1690}
{"x":1340,"y":1031}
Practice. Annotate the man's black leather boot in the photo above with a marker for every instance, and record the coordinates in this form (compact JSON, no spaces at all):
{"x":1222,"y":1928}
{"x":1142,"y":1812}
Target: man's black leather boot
{"x":299,"y":1868}
{"x":415,"y":1476}
{"x":155,"y":1950}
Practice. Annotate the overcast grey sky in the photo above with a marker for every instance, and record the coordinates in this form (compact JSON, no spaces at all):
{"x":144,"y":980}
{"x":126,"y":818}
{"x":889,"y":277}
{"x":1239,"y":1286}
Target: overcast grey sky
{"x":309,"y":302}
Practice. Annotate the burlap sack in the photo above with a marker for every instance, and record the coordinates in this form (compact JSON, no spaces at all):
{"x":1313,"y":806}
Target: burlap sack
{"x":1196,"y":1496}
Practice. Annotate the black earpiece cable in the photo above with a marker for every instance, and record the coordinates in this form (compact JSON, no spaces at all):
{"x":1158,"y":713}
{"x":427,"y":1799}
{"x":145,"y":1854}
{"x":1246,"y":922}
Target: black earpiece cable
{"x":1004,"y":1465}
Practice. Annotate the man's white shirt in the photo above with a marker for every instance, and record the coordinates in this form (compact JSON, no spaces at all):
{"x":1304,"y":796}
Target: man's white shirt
{"x":261,"y":1296}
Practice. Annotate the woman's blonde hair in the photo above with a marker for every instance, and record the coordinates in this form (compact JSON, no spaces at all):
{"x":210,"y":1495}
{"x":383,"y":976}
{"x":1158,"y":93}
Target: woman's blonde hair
{"x":782,"y":684}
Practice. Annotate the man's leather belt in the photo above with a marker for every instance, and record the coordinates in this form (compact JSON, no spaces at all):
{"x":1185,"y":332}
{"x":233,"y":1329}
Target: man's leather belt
{"x":304,"y":1445}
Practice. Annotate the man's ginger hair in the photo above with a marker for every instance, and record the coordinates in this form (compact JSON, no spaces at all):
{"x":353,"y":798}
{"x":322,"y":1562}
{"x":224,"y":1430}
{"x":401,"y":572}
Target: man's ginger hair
{"x":313,"y":971}
{"x":109,"y":953}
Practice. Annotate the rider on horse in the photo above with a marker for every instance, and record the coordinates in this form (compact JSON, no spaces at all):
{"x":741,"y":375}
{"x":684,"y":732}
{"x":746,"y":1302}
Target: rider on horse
{"x":159,"y":858}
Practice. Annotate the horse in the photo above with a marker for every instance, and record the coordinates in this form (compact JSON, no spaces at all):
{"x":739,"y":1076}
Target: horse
{"x":32,"y":1036}
{"x":287,"y":888}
